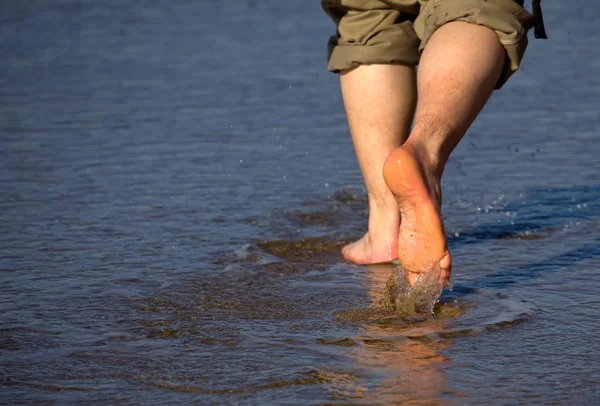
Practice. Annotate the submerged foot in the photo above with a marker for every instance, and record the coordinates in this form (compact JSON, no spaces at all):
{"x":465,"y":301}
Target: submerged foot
{"x":421,"y":242}
{"x":379,"y":244}
{"x":366,"y":251}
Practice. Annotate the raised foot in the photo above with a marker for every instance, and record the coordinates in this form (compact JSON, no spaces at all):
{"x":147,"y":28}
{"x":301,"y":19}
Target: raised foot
{"x":421,"y":239}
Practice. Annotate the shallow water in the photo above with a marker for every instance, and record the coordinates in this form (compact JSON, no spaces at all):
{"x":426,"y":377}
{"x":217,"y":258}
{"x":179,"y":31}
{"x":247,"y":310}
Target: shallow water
{"x":177,"y":182}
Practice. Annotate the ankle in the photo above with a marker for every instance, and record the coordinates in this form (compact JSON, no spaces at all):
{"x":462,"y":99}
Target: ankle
{"x":382,"y":203}
{"x":434,"y":142}
{"x":432,"y":163}
{"x":430,"y":156}
{"x":382,"y":215}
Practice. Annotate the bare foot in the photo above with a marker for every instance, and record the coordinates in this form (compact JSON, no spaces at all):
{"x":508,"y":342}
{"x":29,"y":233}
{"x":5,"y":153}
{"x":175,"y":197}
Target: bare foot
{"x":379,"y":244}
{"x":421,"y":238}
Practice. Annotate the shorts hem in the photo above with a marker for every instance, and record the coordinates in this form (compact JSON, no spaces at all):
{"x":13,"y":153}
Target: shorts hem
{"x":345,"y":57}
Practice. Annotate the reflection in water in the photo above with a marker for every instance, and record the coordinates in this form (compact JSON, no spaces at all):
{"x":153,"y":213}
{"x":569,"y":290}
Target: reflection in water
{"x":406,"y":352}
{"x":398,"y":356}
{"x":412,"y":365}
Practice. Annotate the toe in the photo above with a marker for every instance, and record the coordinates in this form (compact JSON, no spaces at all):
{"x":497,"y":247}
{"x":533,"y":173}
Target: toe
{"x":445,"y":269}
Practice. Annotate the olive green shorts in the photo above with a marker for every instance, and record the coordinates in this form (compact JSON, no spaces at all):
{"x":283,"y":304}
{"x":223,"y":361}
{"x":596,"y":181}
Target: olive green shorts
{"x":397,"y":31}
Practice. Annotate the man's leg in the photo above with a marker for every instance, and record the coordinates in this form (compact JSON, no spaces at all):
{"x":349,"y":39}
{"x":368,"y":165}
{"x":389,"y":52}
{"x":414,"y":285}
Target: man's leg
{"x":380,"y":102}
{"x":458,"y":71}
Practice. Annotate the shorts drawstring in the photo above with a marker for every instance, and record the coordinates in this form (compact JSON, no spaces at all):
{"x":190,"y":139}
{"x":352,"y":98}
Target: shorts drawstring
{"x":538,"y":28}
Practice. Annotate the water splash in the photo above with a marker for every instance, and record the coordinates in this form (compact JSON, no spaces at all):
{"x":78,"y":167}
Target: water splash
{"x":420,"y":298}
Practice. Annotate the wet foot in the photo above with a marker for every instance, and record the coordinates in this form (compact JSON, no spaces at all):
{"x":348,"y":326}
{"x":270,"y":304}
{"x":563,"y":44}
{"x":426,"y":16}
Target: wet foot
{"x":421,"y":244}
{"x":379,"y":244}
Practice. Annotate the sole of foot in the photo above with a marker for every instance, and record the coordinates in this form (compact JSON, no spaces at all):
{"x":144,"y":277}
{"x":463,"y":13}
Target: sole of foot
{"x":421,"y":243}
